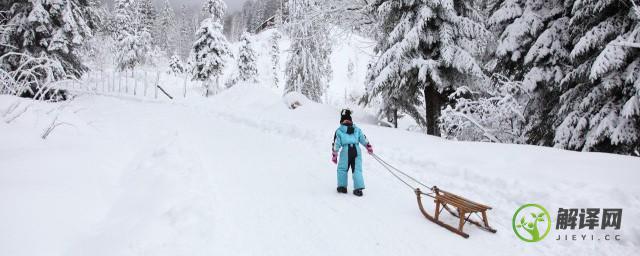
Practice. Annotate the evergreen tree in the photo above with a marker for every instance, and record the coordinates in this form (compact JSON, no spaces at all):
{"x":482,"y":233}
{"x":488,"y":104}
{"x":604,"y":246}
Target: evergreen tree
{"x":259,"y":15}
{"x":185,"y":32}
{"x":238,"y":26}
{"x":249,"y":14}
{"x":147,"y":15}
{"x":275,"y":57}
{"x":216,"y":9}
{"x":600,"y":106}
{"x":517,"y":24}
{"x":175,"y":64}
{"x":425,"y":49}
{"x":207,"y":57}
{"x":165,"y":29}
{"x":308,"y":68}
{"x":533,"y":47}
{"x":247,"y":70}
{"x":51,"y":29}
{"x":132,"y":40}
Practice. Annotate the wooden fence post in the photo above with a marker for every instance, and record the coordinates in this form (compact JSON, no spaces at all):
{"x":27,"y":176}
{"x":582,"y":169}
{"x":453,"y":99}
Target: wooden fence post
{"x":145,"y":83}
{"x":113,"y":81}
{"x":126,"y":83}
{"x":135,"y":82}
{"x":155,"y":86}
{"x":185,"y":86}
{"x":102,"y":84}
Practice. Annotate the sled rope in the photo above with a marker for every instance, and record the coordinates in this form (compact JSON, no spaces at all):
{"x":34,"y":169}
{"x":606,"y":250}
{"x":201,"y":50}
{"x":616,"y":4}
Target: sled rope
{"x":392,"y":169}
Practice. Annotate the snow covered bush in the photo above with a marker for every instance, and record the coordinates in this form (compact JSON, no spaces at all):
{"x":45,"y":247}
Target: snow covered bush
{"x":210,"y":49}
{"x":294,"y":100}
{"x":492,"y":112}
{"x":175,"y":65}
{"x":35,"y":78}
{"x":247,"y":69}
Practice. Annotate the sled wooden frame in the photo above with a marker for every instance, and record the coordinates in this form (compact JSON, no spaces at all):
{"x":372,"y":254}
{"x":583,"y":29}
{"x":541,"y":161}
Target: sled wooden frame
{"x":465,"y":208}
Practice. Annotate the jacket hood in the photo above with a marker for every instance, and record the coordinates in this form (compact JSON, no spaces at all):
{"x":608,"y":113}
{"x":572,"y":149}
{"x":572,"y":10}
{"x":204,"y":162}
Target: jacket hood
{"x":343,"y":128}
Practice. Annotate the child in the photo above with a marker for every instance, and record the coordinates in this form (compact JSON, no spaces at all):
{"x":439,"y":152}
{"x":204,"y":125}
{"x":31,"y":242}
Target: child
{"x":345,"y":143}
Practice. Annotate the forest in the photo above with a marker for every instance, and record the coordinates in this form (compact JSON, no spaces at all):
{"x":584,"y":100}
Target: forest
{"x":556,"y":73}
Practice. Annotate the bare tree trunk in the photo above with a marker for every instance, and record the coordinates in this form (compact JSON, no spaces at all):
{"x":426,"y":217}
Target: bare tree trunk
{"x":395,"y":118}
{"x":206,"y":88}
{"x":432,"y":103}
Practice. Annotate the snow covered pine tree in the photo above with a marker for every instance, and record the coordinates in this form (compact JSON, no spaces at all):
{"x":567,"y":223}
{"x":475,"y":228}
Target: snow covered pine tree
{"x":600,"y":107}
{"x":247,"y":69}
{"x":275,"y":56}
{"x":184,"y":32}
{"x":533,"y":47}
{"x":210,"y":49}
{"x":308,"y":69}
{"x":426,"y":49}
{"x":132,"y":39}
{"x":42,"y":34}
{"x":175,"y":64}
{"x":166,"y":29}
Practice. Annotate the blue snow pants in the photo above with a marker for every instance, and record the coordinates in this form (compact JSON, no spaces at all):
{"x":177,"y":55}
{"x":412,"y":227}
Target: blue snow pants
{"x":350,"y":154}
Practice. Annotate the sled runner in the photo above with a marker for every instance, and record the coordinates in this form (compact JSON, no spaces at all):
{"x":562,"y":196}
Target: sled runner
{"x":464,"y":209}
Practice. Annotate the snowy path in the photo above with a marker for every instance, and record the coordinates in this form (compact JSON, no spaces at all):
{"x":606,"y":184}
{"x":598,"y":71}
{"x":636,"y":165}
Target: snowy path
{"x":239,"y":174}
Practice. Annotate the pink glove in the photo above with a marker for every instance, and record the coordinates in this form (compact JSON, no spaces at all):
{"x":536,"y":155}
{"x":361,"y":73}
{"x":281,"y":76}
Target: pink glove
{"x":334,"y":157}
{"x":369,"y":149}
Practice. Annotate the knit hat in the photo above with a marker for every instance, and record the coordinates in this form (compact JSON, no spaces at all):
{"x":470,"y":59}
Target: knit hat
{"x":345,"y":115}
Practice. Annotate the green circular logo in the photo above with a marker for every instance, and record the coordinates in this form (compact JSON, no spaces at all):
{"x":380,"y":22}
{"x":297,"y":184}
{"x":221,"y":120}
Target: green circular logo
{"x":526,"y":222}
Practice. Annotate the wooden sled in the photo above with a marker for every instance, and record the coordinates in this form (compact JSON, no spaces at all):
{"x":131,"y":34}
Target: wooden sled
{"x":465,"y":208}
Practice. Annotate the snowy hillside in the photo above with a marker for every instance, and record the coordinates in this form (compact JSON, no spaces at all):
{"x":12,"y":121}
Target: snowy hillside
{"x":142,"y":127}
{"x":241,"y":174}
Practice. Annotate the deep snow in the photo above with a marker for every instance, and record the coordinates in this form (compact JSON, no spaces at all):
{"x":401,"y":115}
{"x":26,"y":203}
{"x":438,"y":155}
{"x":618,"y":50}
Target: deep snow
{"x":241,"y":174}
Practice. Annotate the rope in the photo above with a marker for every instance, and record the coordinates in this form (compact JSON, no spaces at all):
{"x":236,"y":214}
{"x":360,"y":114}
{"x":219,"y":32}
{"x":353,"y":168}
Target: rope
{"x":389,"y":168}
{"x":392,"y":173}
{"x":401,"y":172}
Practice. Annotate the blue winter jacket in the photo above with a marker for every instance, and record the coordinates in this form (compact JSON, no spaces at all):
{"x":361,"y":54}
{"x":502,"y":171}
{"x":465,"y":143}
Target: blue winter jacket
{"x":343,"y":141}
{"x":342,"y":138}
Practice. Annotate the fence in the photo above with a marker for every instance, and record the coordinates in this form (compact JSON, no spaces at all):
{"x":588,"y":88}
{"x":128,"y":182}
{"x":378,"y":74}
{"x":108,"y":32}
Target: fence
{"x":137,"y":83}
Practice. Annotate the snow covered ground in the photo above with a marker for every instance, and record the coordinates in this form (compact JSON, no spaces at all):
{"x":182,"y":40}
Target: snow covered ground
{"x":241,"y":174}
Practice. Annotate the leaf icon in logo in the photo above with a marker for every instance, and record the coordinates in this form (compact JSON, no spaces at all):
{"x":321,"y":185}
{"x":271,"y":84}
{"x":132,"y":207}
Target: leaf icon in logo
{"x":531,"y":231}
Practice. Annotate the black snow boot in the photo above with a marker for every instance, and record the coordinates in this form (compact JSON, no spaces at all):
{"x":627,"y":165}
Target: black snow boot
{"x":342,"y":190}
{"x":358,"y":192}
